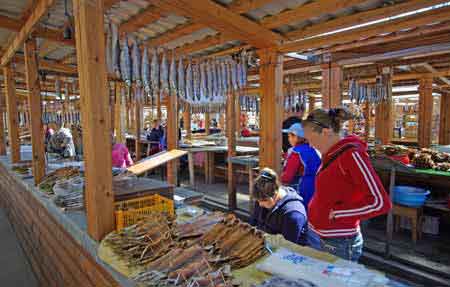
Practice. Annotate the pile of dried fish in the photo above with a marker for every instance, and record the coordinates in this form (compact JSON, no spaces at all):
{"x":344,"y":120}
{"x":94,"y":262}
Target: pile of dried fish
{"x":50,"y":179}
{"x":202,"y":84}
{"x":295,"y":101}
{"x":184,"y":267}
{"x":234,"y":242}
{"x":282,"y":282}
{"x":143,"y":242}
{"x":198,"y":227}
{"x":69,"y":193}
{"x":373,"y":93}
{"x":428,"y":158}
{"x":21,"y":169}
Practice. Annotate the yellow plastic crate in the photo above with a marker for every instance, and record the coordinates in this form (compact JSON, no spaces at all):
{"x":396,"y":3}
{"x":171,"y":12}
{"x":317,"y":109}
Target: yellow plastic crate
{"x":128,"y":212}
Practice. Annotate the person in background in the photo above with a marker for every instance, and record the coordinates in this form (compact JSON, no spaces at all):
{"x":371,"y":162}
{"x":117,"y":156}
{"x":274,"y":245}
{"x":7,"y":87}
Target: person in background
{"x":155,"y":135}
{"x":48,"y":132}
{"x":287,"y":123}
{"x":301,"y":164}
{"x":245,"y":131}
{"x":121,"y":157}
{"x":278,"y":209}
{"x":348,"y":189}
{"x":67,"y":144}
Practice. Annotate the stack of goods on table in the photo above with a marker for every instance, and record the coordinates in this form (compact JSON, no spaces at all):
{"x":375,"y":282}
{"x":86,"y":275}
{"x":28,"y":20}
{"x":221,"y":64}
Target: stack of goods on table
{"x":419,"y":158}
{"x":199,"y":253}
{"x":49,"y":181}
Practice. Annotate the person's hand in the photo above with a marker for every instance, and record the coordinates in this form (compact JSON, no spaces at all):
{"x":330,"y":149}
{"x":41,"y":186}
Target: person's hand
{"x":331,"y":215}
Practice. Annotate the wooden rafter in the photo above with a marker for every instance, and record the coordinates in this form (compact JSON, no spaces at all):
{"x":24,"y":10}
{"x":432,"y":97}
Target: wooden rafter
{"x":50,"y":66}
{"x":202,"y":44}
{"x":226,"y":22}
{"x":308,"y":11}
{"x":40,"y":10}
{"x":147,"y":16}
{"x":356,"y":34}
{"x":243,"y":6}
{"x":360,"y":18}
{"x":179,"y":31}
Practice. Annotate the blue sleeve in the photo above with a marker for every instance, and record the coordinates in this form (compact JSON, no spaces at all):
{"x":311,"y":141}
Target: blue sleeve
{"x":254,"y":217}
{"x":293,"y":224}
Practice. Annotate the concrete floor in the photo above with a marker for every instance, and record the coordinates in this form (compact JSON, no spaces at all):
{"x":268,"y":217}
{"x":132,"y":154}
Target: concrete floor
{"x":15,"y":271}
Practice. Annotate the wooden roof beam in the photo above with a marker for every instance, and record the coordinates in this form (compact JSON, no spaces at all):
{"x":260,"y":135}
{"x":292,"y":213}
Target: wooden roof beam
{"x":224,"y":21}
{"x":40,"y":10}
{"x":307,"y":11}
{"x":356,"y":34}
{"x":360,"y":18}
{"x":431,"y":69}
{"x":142,"y":19}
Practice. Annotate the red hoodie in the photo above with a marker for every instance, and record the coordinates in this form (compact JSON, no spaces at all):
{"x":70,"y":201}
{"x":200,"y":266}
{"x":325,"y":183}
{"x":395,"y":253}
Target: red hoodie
{"x":347,"y":190}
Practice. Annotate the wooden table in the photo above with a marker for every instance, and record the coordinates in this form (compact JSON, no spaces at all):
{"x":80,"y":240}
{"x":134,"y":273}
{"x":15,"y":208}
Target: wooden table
{"x":210,"y":151}
{"x":251,"y":162}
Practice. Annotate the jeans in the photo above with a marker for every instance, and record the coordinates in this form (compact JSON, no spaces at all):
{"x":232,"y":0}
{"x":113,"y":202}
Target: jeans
{"x":349,"y":248}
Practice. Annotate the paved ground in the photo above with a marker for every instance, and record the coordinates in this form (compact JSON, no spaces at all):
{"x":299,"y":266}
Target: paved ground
{"x":15,"y":270}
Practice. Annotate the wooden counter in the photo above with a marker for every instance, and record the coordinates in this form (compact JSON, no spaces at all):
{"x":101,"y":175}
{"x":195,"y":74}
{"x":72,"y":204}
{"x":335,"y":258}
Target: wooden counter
{"x":55,"y":242}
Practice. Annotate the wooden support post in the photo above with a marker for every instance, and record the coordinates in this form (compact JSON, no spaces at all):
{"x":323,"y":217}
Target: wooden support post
{"x":34,"y":103}
{"x":222,"y":122}
{"x":425,"y":111}
{"x":207,"y":123}
{"x":137,"y":128}
{"x":384,"y":119}
{"x":99,"y":198}
{"x":231,"y":144}
{"x":172,"y":136}
{"x":11,"y":106}
{"x":271,"y":79}
{"x":158,"y":107}
{"x":208,"y":155}
{"x":238,"y":116}
{"x":367,"y":121}
{"x":312,"y":103}
{"x":444,"y":126}
{"x":331,"y":85}
{"x":2,"y":125}
{"x":187,"y":121}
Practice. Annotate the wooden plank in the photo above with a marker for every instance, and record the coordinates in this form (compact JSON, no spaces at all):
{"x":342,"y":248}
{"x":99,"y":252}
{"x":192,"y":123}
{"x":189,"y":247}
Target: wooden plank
{"x":208,"y":42}
{"x":356,"y":34}
{"x":142,"y":19}
{"x":226,"y":22}
{"x":243,"y":6}
{"x":89,"y":27}
{"x":360,"y":18}
{"x":34,"y":104}
{"x":332,"y":76}
{"x":172,"y":136}
{"x":177,"y":32}
{"x":11,"y":107}
{"x":2,"y":124}
{"x":384,"y":118}
{"x":271,"y":75}
{"x":53,"y":66}
{"x":155,"y":161}
{"x":307,"y":11}
{"x":425,"y":112}
{"x":444,"y":126}
{"x":231,"y":144}
{"x":41,"y":9}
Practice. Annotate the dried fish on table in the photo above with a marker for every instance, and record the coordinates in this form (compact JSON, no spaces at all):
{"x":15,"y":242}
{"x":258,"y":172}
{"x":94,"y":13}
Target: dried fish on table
{"x":276,"y":281}
{"x":115,"y":53}
{"x":199,"y":226}
{"x":143,"y":242}
{"x":50,"y":179}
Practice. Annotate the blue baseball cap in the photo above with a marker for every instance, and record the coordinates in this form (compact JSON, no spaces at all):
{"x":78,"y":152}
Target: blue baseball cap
{"x":296,"y":129}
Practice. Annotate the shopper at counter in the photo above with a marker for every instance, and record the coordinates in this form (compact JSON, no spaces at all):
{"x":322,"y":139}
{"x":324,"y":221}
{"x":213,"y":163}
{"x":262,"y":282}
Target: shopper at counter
{"x":278,"y":209}
{"x":121,"y":157}
{"x":347,"y":188}
{"x":301,"y":164}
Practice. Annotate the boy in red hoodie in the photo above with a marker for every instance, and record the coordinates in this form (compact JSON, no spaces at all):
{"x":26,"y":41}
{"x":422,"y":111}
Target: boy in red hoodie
{"x":347,"y":188}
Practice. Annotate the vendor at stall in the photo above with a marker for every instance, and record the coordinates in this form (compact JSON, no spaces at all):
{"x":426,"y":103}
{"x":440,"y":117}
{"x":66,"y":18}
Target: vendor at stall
{"x":278,"y":209}
{"x":121,"y":157}
{"x":62,"y":143}
{"x":154,"y":136}
{"x":347,"y":188}
{"x":301,"y":164}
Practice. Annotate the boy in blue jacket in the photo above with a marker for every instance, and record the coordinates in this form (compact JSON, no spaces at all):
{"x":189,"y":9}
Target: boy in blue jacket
{"x":278,"y":209}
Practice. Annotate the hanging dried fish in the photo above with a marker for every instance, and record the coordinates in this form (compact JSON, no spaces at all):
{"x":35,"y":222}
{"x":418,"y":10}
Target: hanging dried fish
{"x":203,"y":84}
{"x":240,"y":84}
{"x":125,"y":62}
{"x":181,"y":79}
{"x":164,"y":74}
{"x":136,"y":63}
{"x":244,"y":63}
{"x":173,"y":75}
{"x":234,"y":75}
{"x":115,"y":53}
{"x":109,"y":52}
{"x":196,"y":76}
{"x":145,"y":71}
{"x":189,"y":82}
{"x":154,"y":74}
{"x":210,"y":80}
{"x":224,"y":69}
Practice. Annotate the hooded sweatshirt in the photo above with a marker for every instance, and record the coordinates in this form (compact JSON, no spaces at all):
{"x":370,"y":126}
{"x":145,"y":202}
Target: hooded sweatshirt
{"x":287,"y":217}
{"x":347,"y":190}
